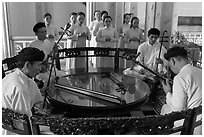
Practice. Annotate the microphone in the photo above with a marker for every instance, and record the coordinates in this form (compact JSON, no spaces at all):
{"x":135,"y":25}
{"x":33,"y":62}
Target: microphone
{"x":40,"y":83}
{"x":65,"y":31}
{"x":67,"y":26}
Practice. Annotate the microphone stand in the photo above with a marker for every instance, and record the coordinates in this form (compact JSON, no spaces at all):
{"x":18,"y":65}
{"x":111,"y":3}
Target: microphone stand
{"x":52,"y":64}
{"x":162,"y":40}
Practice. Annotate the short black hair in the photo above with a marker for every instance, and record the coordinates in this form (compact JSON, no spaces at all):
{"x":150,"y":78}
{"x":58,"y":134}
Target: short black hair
{"x":47,"y":14}
{"x":125,"y":16}
{"x":103,"y":12}
{"x":38,"y":26}
{"x":73,"y":13}
{"x":96,"y":11}
{"x":176,"y":51}
{"x":134,"y":18}
{"x":81,"y":13}
{"x":107,"y":17}
{"x":30,"y":54}
{"x":154,"y":31}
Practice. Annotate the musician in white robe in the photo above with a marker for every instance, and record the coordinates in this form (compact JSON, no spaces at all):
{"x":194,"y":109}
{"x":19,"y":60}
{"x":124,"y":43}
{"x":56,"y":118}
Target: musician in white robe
{"x":186,"y":92}
{"x":41,"y":42}
{"x":19,"y":90}
{"x":149,"y":52}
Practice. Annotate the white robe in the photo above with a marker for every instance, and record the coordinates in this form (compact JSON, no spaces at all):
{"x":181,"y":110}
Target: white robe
{"x":46,"y":46}
{"x":20,"y":93}
{"x":186,"y":93}
{"x":93,"y":27}
{"x":78,"y":41}
{"x":101,"y":42}
{"x":148,"y":56}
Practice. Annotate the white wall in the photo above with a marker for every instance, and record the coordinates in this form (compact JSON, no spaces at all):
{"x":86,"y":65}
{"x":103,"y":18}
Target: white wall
{"x":21,"y":18}
{"x":22,"y":15}
{"x":62,"y":10}
{"x":189,"y":8}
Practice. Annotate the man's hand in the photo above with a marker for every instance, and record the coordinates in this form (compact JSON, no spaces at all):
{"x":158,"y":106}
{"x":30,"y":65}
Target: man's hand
{"x":166,"y":86}
{"x":50,"y":36}
{"x":134,"y":39}
{"x":141,"y":71}
{"x":159,"y":61}
{"x":83,"y":34}
{"x":108,"y":39}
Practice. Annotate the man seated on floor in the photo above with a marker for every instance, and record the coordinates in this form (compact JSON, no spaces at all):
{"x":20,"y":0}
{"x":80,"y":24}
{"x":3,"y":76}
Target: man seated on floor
{"x":19,"y":90}
{"x":149,"y":52}
{"x":186,"y":92}
{"x":41,"y":42}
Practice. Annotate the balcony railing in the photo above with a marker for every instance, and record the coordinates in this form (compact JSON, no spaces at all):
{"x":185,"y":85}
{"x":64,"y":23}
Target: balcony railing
{"x":19,"y":43}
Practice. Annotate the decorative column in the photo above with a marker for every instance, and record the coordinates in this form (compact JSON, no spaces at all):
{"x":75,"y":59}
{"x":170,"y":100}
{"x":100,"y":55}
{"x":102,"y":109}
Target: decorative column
{"x":166,"y":22}
{"x":112,"y":12}
{"x":174,"y":17}
{"x":119,"y":14}
{"x":149,"y":18}
{"x":89,"y":16}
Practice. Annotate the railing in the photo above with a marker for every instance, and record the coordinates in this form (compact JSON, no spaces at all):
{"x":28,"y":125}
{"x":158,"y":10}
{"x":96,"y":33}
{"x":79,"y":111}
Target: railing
{"x":86,"y":52}
{"x":21,"y":42}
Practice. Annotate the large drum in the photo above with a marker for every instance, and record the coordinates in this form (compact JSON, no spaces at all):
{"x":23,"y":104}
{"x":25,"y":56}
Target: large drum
{"x":98,"y":92}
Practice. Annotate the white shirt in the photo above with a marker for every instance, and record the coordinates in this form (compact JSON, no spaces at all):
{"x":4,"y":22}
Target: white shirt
{"x":46,"y":46}
{"x":20,"y":93}
{"x":187,"y":89}
{"x":186,"y":93}
{"x":148,"y":55}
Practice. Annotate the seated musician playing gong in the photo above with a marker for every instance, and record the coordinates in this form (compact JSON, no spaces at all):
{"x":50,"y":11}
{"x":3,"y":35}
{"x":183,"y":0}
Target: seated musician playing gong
{"x":186,"y":92}
{"x":149,"y":53}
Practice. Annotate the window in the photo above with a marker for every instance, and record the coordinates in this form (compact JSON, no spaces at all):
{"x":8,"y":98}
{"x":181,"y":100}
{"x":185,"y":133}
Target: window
{"x":189,"y":21}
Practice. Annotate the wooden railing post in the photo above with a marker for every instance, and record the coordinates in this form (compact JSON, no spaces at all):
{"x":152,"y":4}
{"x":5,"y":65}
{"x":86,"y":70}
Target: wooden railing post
{"x":116,"y":60}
